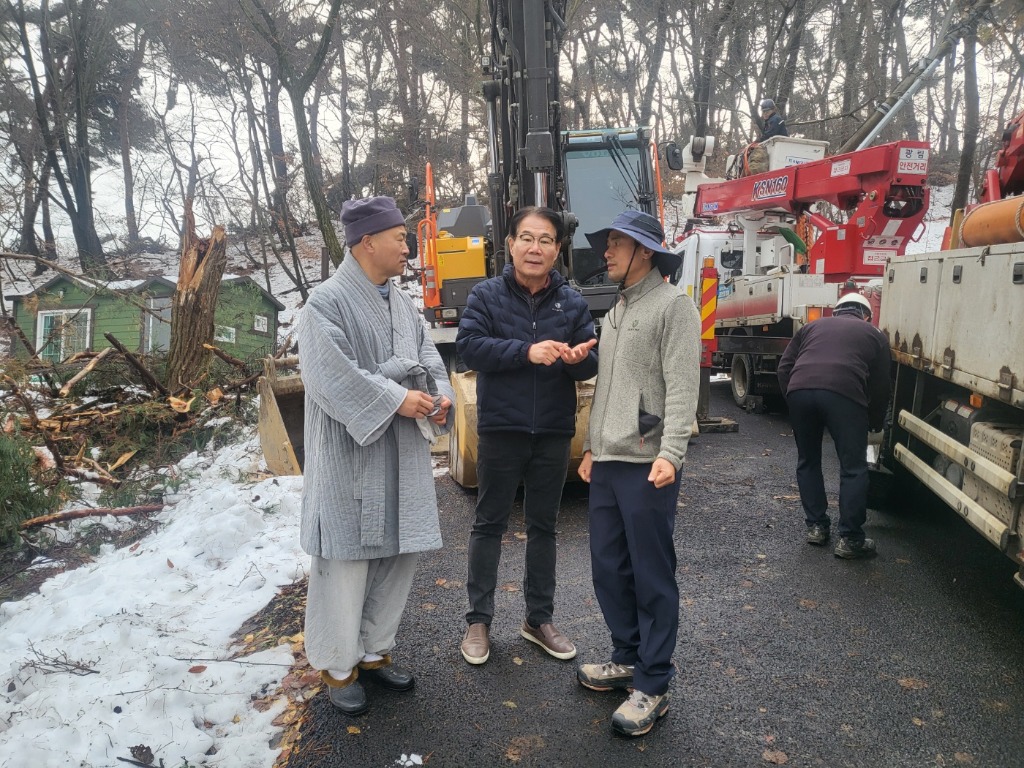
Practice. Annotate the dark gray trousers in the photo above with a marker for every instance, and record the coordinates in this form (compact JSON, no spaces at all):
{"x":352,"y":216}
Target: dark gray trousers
{"x":811,"y":411}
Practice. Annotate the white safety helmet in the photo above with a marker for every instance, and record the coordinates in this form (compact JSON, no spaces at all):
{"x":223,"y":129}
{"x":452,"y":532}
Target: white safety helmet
{"x":854,"y":299}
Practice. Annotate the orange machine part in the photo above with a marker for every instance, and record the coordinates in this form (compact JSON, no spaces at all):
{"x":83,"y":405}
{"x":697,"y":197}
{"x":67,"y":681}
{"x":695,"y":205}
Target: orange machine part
{"x":426,"y":233}
{"x":1000,"y":221}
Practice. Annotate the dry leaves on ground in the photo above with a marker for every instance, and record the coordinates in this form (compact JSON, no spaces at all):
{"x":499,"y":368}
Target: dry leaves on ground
{"x":912,"y":683}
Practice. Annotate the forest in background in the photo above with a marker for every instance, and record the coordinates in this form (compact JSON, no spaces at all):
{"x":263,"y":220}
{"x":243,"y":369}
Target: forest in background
{"x":270,"y":113}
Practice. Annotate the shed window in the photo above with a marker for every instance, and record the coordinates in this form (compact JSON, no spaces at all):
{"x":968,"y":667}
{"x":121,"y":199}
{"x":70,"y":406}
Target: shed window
{"x":60,"y":333}
{"x":260,"y":323}
{"x":224,"y":333}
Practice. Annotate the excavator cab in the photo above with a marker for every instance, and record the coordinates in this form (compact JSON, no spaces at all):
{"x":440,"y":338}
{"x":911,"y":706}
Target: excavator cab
{"x":605,"y":172}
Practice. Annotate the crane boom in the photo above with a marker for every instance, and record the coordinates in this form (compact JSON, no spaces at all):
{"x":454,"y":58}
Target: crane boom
{"x":880,"y":189}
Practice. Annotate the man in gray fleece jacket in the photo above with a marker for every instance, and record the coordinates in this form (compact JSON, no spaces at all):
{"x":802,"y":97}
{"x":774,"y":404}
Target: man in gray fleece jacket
{"x":640,"y":422}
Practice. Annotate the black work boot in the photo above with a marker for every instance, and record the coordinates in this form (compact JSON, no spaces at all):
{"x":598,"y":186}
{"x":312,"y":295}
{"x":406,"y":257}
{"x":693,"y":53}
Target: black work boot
{"x":347,"y":695}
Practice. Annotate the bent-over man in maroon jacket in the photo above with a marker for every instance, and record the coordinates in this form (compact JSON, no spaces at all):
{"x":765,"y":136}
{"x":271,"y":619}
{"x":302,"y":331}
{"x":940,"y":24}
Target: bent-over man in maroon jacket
{"x":835,"y":374}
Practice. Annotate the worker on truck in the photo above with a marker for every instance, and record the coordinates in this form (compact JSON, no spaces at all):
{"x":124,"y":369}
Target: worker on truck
{"x":835,"y":375}
{"x":773,"y":123}
{"x":530,"y":337}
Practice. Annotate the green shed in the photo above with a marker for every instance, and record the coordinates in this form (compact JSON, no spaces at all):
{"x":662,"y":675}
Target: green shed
{"x":65,"y":316}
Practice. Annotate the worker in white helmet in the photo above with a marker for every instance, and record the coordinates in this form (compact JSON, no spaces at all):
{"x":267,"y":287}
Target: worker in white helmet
{"x":835,"y":375}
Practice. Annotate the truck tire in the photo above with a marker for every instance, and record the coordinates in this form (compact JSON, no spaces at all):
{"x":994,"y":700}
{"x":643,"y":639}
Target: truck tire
{"x":742,"y":376}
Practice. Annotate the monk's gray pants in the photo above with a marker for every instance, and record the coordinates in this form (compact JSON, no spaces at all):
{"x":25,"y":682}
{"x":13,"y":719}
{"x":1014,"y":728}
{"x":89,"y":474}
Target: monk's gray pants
{"x":353,"y":608}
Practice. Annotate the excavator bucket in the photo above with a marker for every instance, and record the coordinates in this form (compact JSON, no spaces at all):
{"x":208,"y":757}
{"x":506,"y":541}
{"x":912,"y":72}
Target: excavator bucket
{"x":462,"y":445}
{"x":282,"y":404}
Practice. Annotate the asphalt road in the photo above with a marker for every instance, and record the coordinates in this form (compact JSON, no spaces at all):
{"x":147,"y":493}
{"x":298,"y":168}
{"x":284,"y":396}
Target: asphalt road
{"x":786,"y":654}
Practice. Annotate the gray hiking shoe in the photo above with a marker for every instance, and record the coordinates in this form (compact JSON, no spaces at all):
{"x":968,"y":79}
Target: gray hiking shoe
{"x":605,"y":677}
{"x":639,"y":713}
{"x":854,"y":550}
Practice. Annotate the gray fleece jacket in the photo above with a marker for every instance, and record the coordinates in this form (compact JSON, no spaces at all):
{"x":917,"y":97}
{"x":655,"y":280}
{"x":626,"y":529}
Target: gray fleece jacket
{"x":648,"y":362}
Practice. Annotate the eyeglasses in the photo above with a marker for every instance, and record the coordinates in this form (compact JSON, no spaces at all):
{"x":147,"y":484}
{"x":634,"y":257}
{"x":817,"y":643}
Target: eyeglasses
{"x":527,"y":239}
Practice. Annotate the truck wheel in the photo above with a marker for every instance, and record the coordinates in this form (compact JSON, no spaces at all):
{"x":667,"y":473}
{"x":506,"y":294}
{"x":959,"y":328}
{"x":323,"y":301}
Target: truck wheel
{"x":742,"y":375}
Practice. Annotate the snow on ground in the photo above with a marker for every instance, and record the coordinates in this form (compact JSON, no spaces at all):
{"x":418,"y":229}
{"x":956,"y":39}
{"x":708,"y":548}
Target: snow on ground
{"x":152,"y":623}
{"x":935,"y":221}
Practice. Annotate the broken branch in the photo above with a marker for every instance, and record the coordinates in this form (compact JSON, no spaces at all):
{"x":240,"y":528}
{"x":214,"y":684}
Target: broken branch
{"x":34,"y":420}
{"x":148,"y":377}
{"x":244,"y":382}
{"x":84,"y":372}
{"x":224,"y":356}
{"x":77,"y":514}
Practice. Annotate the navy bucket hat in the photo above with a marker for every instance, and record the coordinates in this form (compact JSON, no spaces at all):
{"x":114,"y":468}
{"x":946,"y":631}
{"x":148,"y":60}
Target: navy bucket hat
{"x":647,"y":231}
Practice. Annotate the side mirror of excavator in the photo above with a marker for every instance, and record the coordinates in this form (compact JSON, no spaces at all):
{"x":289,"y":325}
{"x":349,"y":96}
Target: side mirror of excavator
{"x":571,"y":222}
{"x":673,"y":156}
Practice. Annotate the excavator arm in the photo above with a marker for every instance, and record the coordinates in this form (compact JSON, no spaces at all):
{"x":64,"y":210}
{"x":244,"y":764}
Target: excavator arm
{"x":523,"y":114}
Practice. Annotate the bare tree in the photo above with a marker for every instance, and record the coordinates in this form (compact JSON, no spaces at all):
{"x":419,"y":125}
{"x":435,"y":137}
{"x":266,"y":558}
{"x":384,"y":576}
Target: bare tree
{"x":296,"y":84}
{"x":971,"y":119}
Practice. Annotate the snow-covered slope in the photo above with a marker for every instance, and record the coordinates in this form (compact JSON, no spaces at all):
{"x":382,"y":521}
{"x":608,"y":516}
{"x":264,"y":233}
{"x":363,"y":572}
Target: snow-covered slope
{"x":151,"y":624}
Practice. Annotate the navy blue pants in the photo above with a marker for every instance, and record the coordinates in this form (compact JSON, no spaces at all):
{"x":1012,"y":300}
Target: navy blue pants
{"x":633,"y":560}
{"x":811,"y":411}
{"x":504,"y":460}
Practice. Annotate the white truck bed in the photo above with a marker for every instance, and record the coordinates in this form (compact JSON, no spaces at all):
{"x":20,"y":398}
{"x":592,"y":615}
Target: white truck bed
{"x":960,"y":316}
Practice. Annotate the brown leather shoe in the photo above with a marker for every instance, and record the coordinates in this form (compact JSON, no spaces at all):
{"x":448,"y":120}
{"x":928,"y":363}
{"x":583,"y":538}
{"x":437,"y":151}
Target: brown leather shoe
{"x":550,"y":639}
{"x":476,"y":645}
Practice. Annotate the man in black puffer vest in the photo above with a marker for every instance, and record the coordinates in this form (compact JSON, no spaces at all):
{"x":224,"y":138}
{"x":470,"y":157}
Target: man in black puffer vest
{"x":530,"y":337}
{"x":835,"y":375}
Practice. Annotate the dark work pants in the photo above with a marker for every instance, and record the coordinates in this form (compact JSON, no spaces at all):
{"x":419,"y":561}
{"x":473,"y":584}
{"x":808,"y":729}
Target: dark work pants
{"x":504,"y":459}
{"x":810,"y":412}
{"x":634,"y":565}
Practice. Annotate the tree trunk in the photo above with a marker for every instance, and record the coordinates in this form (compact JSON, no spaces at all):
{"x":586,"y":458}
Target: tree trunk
{"x":278,"y":159}
{"x":296,"y":86}
{"x":321,"y":209}
{"x":123,"y":112}
{"x":194,"y":303}
{"x":971,"y":119}
{"x":49,"y":238}
{"x":657,"y":52}
{"x":347,"y":188}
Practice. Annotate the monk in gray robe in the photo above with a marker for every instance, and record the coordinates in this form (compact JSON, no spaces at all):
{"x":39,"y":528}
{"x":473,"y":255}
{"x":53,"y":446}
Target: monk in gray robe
{"x":377,"y":393}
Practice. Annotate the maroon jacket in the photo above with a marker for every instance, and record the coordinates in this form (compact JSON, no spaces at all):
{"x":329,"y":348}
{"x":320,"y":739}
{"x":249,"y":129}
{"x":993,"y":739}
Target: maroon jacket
{"x":842,"y":354}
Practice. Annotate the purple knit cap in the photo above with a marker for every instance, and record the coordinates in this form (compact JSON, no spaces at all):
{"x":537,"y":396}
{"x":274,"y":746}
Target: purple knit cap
{"x":369,"y":216}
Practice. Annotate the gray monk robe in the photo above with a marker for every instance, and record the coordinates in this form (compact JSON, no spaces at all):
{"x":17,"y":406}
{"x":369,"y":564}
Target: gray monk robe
{"x":368,"y":491}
